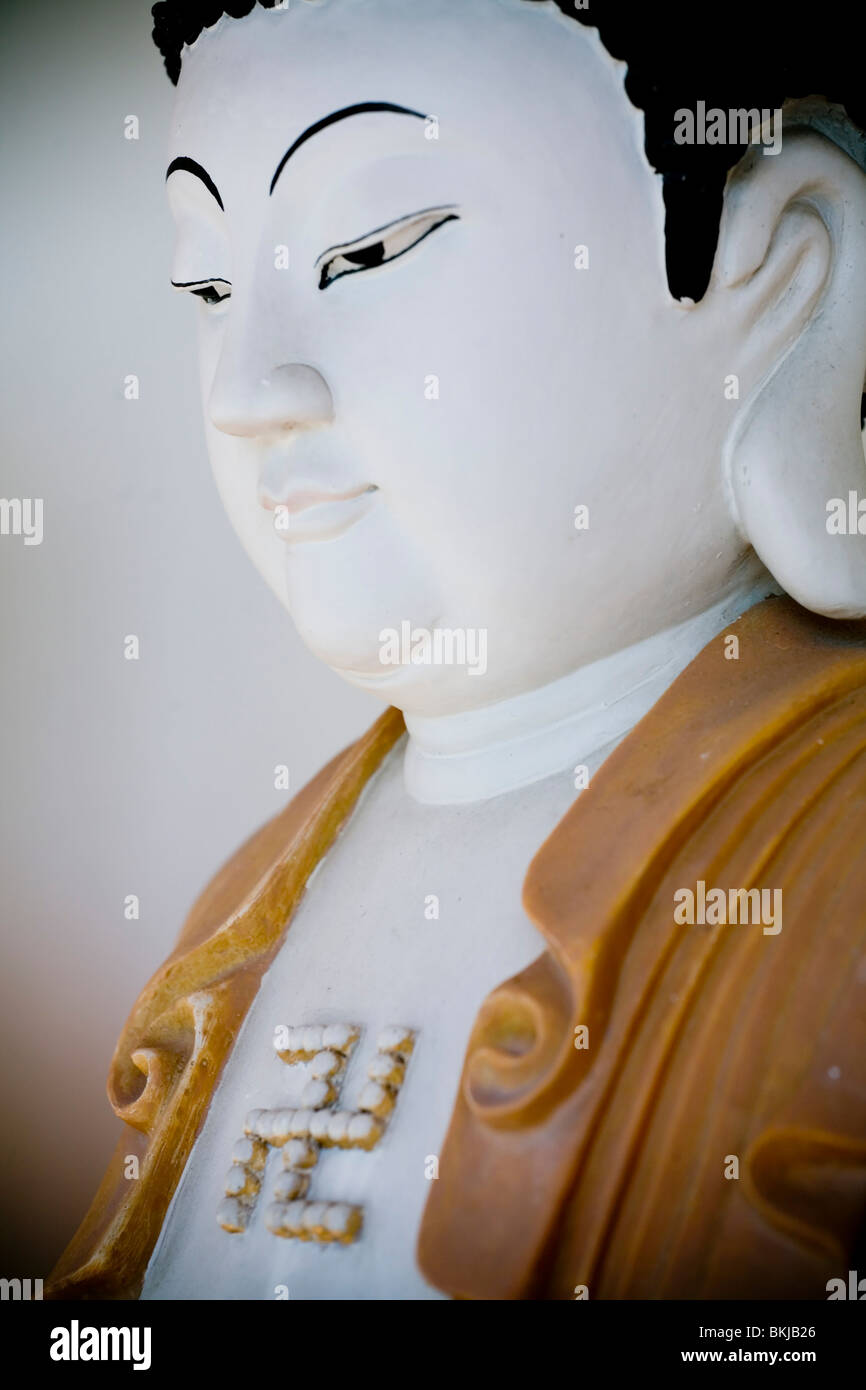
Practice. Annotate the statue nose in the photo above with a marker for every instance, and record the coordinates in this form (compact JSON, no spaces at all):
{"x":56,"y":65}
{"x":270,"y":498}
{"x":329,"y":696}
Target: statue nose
{"x":287,"y":397}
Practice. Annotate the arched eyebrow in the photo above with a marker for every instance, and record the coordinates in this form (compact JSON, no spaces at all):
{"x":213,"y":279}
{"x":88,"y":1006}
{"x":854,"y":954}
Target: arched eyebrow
{"x":191,"y":166}
{"x":357,"y":110}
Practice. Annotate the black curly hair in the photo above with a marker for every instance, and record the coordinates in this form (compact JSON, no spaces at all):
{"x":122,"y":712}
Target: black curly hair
{"x":740,"y":55}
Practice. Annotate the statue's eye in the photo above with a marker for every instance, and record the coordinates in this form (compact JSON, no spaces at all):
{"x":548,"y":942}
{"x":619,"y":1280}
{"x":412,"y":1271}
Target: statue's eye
{"x":211,"y":291}
{"x":211,"y":295}
{"x":382,"y":245}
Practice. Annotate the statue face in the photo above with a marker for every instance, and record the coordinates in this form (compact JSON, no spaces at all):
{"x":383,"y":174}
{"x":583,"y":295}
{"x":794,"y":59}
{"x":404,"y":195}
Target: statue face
{"x":410,"y":377}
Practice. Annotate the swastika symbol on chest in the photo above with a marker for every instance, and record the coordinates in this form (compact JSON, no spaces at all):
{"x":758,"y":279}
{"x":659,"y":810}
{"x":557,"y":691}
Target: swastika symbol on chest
{"x":302,"y":1134}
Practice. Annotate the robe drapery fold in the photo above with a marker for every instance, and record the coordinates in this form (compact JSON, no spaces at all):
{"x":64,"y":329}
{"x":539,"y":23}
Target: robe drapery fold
{"x":654,"y":1108}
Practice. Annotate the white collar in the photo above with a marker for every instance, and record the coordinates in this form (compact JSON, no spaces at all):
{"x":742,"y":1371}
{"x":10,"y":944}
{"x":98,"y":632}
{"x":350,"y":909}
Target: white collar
{"x":458,"y":758}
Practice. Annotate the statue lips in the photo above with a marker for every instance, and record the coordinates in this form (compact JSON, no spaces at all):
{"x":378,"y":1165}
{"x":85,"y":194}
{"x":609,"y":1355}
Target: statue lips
{"x":309,"y":514}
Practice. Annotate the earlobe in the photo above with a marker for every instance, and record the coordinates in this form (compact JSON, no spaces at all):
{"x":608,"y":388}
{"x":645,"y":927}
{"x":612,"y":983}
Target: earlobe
{"x":792,"y":255}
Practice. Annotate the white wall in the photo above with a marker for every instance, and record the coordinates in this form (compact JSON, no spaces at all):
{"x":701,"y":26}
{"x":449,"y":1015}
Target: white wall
{"x":117,"y":777}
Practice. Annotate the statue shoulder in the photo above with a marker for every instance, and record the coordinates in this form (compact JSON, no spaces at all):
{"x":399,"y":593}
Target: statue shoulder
{"x":239,"y":877}
{"x":184,"y":1023}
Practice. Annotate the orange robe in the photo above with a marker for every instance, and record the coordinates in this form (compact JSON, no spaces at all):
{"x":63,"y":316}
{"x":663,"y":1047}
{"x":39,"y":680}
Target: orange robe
{"x":609,"y":1166}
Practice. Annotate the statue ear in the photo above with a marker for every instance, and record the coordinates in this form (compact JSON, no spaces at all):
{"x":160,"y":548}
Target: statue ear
{"x":792,"y":263}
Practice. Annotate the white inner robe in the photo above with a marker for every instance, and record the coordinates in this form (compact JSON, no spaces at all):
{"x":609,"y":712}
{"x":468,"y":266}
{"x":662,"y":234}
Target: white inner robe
{"x":363,"y":950}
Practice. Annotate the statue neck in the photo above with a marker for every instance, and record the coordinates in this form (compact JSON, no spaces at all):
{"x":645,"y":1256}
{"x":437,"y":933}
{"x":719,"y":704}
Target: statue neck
{"x":481,"y":753}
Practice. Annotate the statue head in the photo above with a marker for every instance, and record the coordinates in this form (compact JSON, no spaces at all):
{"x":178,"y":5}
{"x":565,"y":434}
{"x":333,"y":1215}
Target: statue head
{"x":504,"y":330}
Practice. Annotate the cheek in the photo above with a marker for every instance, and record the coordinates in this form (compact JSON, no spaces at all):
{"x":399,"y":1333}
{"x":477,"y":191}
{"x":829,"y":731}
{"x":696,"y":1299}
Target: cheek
{"x":236,"y":478}
{"x":450,"y":421}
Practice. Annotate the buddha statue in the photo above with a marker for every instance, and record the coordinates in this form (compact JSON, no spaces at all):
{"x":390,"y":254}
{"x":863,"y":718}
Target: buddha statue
{"x":532,"y":344}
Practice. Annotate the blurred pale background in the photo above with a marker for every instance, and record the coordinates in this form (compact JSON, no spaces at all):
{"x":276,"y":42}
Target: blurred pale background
{"x":117,"y":776}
